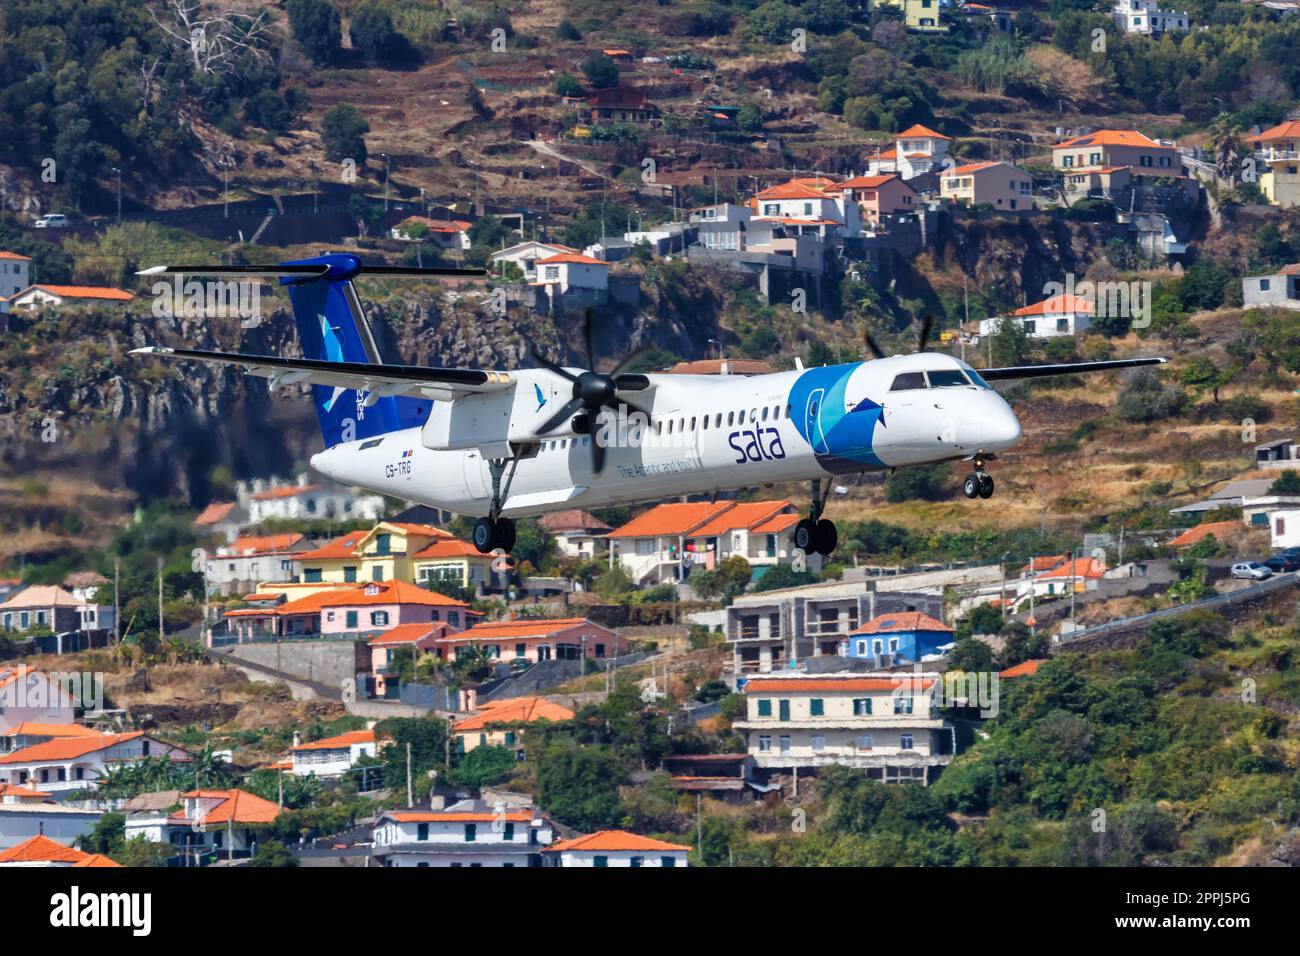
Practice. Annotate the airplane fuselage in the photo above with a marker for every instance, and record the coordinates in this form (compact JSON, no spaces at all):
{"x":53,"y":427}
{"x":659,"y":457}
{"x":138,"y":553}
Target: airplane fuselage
{"x":704,"y":433}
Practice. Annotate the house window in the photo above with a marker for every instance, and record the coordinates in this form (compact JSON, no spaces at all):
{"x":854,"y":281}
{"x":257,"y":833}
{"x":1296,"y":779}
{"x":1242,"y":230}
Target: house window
{"x":377,"y":573}
{"x":785,"y":743}
{"x":350,"y":574}
{"x":508,"y":834}
{"x":1263,"y":285}
{"x":862,"y":648}
{"x":865,"y":742}
{"x":379,"y":618}
{"x":818,"y":743}
{"x":637,"y":862}
{"x":601,"y":861}
{"x":311,"y":575}
{"x":905,"y":742}
{"x":783,"y":709}
{"x":817,"y":707}
{"x":383,"y":543}
{"x":453,"y":618}
{"x":668,"y":861}
{"x":862,"y":707}
{"x":764,"y":744}
{"x":902,"y":705}
{"x":471,"y":832}
{"x":1062,"y":325}
{"x":422,"y":831}
{"x":351,"y":620}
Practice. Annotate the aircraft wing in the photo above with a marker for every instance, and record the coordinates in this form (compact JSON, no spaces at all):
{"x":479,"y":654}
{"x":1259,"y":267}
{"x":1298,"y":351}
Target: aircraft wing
{"x":378,"y":381}
{"x":1068,"y":368}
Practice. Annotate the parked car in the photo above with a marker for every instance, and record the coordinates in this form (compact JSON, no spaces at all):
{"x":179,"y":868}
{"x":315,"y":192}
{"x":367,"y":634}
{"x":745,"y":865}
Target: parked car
{"x":1282,"y":563}
{"x":55,"y":220}
{"x":1251,"y":571}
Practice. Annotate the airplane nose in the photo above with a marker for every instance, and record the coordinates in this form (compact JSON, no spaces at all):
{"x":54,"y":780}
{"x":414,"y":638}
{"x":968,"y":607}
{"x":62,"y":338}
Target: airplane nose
{"x":1001,"y":427}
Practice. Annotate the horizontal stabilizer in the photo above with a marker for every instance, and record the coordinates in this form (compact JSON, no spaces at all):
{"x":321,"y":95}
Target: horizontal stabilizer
{"x":307,"y":273}
{"x":1070,"y":368}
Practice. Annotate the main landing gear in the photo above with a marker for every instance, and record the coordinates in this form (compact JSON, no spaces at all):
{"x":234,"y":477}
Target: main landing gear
{"x":495,"y":531}
{"x":978,"y":484}
{"x":816,"y":534}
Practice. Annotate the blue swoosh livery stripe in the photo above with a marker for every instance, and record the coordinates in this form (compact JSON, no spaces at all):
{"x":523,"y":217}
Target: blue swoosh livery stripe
{"x":841,"y":439}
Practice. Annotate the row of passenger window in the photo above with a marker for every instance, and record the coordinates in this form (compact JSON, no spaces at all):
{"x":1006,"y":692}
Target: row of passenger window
{"x":697,"y":422}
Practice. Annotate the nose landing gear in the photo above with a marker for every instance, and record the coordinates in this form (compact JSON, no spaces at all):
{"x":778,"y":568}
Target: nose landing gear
{"x":816,"y":534}
{"x":978,"y":484}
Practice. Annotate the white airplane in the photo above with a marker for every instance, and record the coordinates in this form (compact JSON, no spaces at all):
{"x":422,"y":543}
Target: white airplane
{"x":505,"y":444}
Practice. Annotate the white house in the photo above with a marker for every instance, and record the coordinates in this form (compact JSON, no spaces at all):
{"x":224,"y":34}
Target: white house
{"x":305,"y":500}
{"x":29,"y":695}
{"x":1059,"y":315}
{"x":221,"y":822}
{"x":15,"y":274}
{"x":447,"y":234}
{"x":468,"y":833}
{"x":525,"y":254}
{"x":916,"y":150}
{"x":55,"y":296}
{"x":571,"y":270}
{"x":64,"y":764}
{"x":1284,"y":528}
{"x":332,"y":756}
{"x":608,"y":848}
{"x":238,"y":567}
{"x":1145,"y":17}
{"x":575,"y":532}
{"x":888,"y":724}
{"x":49,"y":607}
{"x":805,"y":206}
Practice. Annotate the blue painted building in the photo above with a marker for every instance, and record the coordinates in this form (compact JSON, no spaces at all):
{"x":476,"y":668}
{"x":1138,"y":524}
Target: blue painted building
{"x":905,"y":636}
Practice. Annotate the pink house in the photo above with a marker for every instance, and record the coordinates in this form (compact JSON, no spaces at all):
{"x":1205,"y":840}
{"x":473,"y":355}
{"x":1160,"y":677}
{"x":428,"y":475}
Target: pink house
{"x":877,"y":196}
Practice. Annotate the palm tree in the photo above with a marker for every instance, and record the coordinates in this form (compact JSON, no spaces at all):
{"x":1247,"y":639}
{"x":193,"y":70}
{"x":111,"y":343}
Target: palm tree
{"x":1223,"y":133}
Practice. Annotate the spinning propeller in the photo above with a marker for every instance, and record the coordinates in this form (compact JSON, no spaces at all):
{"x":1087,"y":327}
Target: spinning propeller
{"x":592,"y":392}
{"x":927,"y":326}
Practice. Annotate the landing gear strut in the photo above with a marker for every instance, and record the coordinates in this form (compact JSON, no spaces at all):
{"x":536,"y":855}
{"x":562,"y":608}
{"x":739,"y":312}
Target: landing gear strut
{"x":978,"y":484}
{"x":495,"y":531}
{"x":816,"y":534}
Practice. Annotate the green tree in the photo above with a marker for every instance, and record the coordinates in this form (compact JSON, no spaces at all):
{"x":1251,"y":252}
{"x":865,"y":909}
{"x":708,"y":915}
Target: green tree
{"x":600,"y":70}
{"x":1020,"y":644}
{"x":316,"y":27}
{"x":1287,"y":483}
{"x":372,"y":32}
{"x":971,"y":655}
{"x":343,"y":131}
{"x":923,"y":482}
{"x":273,"y":853}
{"x":578,"y":784}
{"x":1201,"y":374}
{"x":566,"y":84}
{"x":482,"y":766}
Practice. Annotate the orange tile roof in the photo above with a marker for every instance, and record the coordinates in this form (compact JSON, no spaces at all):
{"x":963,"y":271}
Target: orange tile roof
{"x":284,"y":491}
{"x":1110,"y":137}
{"x":409,"y":633}
{"x":262,"y":544}
{"x":14,"y":255}
{"x":82,"y":292}
{"x":523,"y":627}
{"x":67,"y":748}
{"x":13,"y":790}
{"x":889,"y":153}
{"x":973,"y":168}
{"x":1288,"y":130}
{"x":672,"y":518}
{"x":41,"y":849}
{"x":791,"y":190}
{"x":214,"y":512}
{"x":870,"y":182}
{"x":414,"y":527}
{"x":95,"y":860}
{"x":1063,"y":304}
{"x":770,"y":685}
{"x":745,"y":514}
{"x":918,"y":131}
{"x":571,"y":519}
{"x":1045,"y":562}
{"x":573,"y":257}
{"x":1078,"y":568}
{"x":340,"y":741}
{"x":1193,"y":535}
{"x":515,"y":710}
{"x":273,"y":596}
{"x":614,"y":841}
{"x":906,"y":621}
{"x":451,"y":548}
{"x":456,"y":816}
{"x":236,"y":806}
{"x":29,"y":728}
{"x":389,"y":592}
{"x":342,"y":547}
{"x":1023,"y":669}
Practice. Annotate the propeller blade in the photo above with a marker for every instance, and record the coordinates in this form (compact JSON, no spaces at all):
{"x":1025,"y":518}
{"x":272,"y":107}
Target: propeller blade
{"x":631,"y":407}
{"x":567,"y":411}
{"x":628,"y":360}
{"x":631,"y":382}
{"x":597,"y":456}
{"x":927,"y":326}
{"x":560,"y":370}
{"x":875,"y":348}
{"x":589,"y":339}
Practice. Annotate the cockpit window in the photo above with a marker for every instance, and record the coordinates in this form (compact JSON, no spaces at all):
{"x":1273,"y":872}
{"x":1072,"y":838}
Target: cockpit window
{"x":946,"y":378}
{"x":978,"y":379}
{"x":908,"y":380}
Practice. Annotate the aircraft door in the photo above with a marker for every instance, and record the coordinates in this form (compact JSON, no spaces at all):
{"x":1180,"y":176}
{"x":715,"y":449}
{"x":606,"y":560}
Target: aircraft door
{"x":812,"y":420}
{"x":476,"y":479}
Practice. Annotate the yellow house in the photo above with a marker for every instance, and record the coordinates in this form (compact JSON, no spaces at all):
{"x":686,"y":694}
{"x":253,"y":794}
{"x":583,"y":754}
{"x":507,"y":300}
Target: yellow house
{"x":921,"y":16}
{"x":497,"y":724}
{"x":384,"y":553}
{"x":1280,"y":180}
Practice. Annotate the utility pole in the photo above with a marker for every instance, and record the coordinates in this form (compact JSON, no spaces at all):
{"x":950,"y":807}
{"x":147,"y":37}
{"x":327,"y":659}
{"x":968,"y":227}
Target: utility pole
{"x":410,"y":800}
{"x":119,"y":194}
{"x":1033,"y":584}
{"x":965,"y":304}
{"x":117,"y":605}
{"x":160,"y":601}
{"x":280,"y":774}
{"x":225,"y":173}
{"x":385,"y":182}
{"x":1002,"y":591}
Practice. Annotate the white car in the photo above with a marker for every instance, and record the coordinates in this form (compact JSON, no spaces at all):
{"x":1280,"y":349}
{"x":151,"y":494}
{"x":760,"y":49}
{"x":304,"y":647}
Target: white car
{"x":55,"y":220}
{"x":1251,"y":571}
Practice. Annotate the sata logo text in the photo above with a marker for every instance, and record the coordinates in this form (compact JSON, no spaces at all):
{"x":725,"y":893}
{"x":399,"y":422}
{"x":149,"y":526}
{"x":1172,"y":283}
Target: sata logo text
{"x":756,"y":444}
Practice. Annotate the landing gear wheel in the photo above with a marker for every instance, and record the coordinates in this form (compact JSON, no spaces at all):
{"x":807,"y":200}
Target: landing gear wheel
{"x":805,"y":534}
{"x":484,"y":535}
{"x":505,"y":534}
{"x":971,"y":486}
{"x":986,"y":486}
{"x":825,"y":537}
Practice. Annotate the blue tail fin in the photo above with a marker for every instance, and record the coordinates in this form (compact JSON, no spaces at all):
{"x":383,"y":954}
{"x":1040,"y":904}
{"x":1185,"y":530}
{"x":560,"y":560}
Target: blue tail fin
{"x":332,"y":328}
